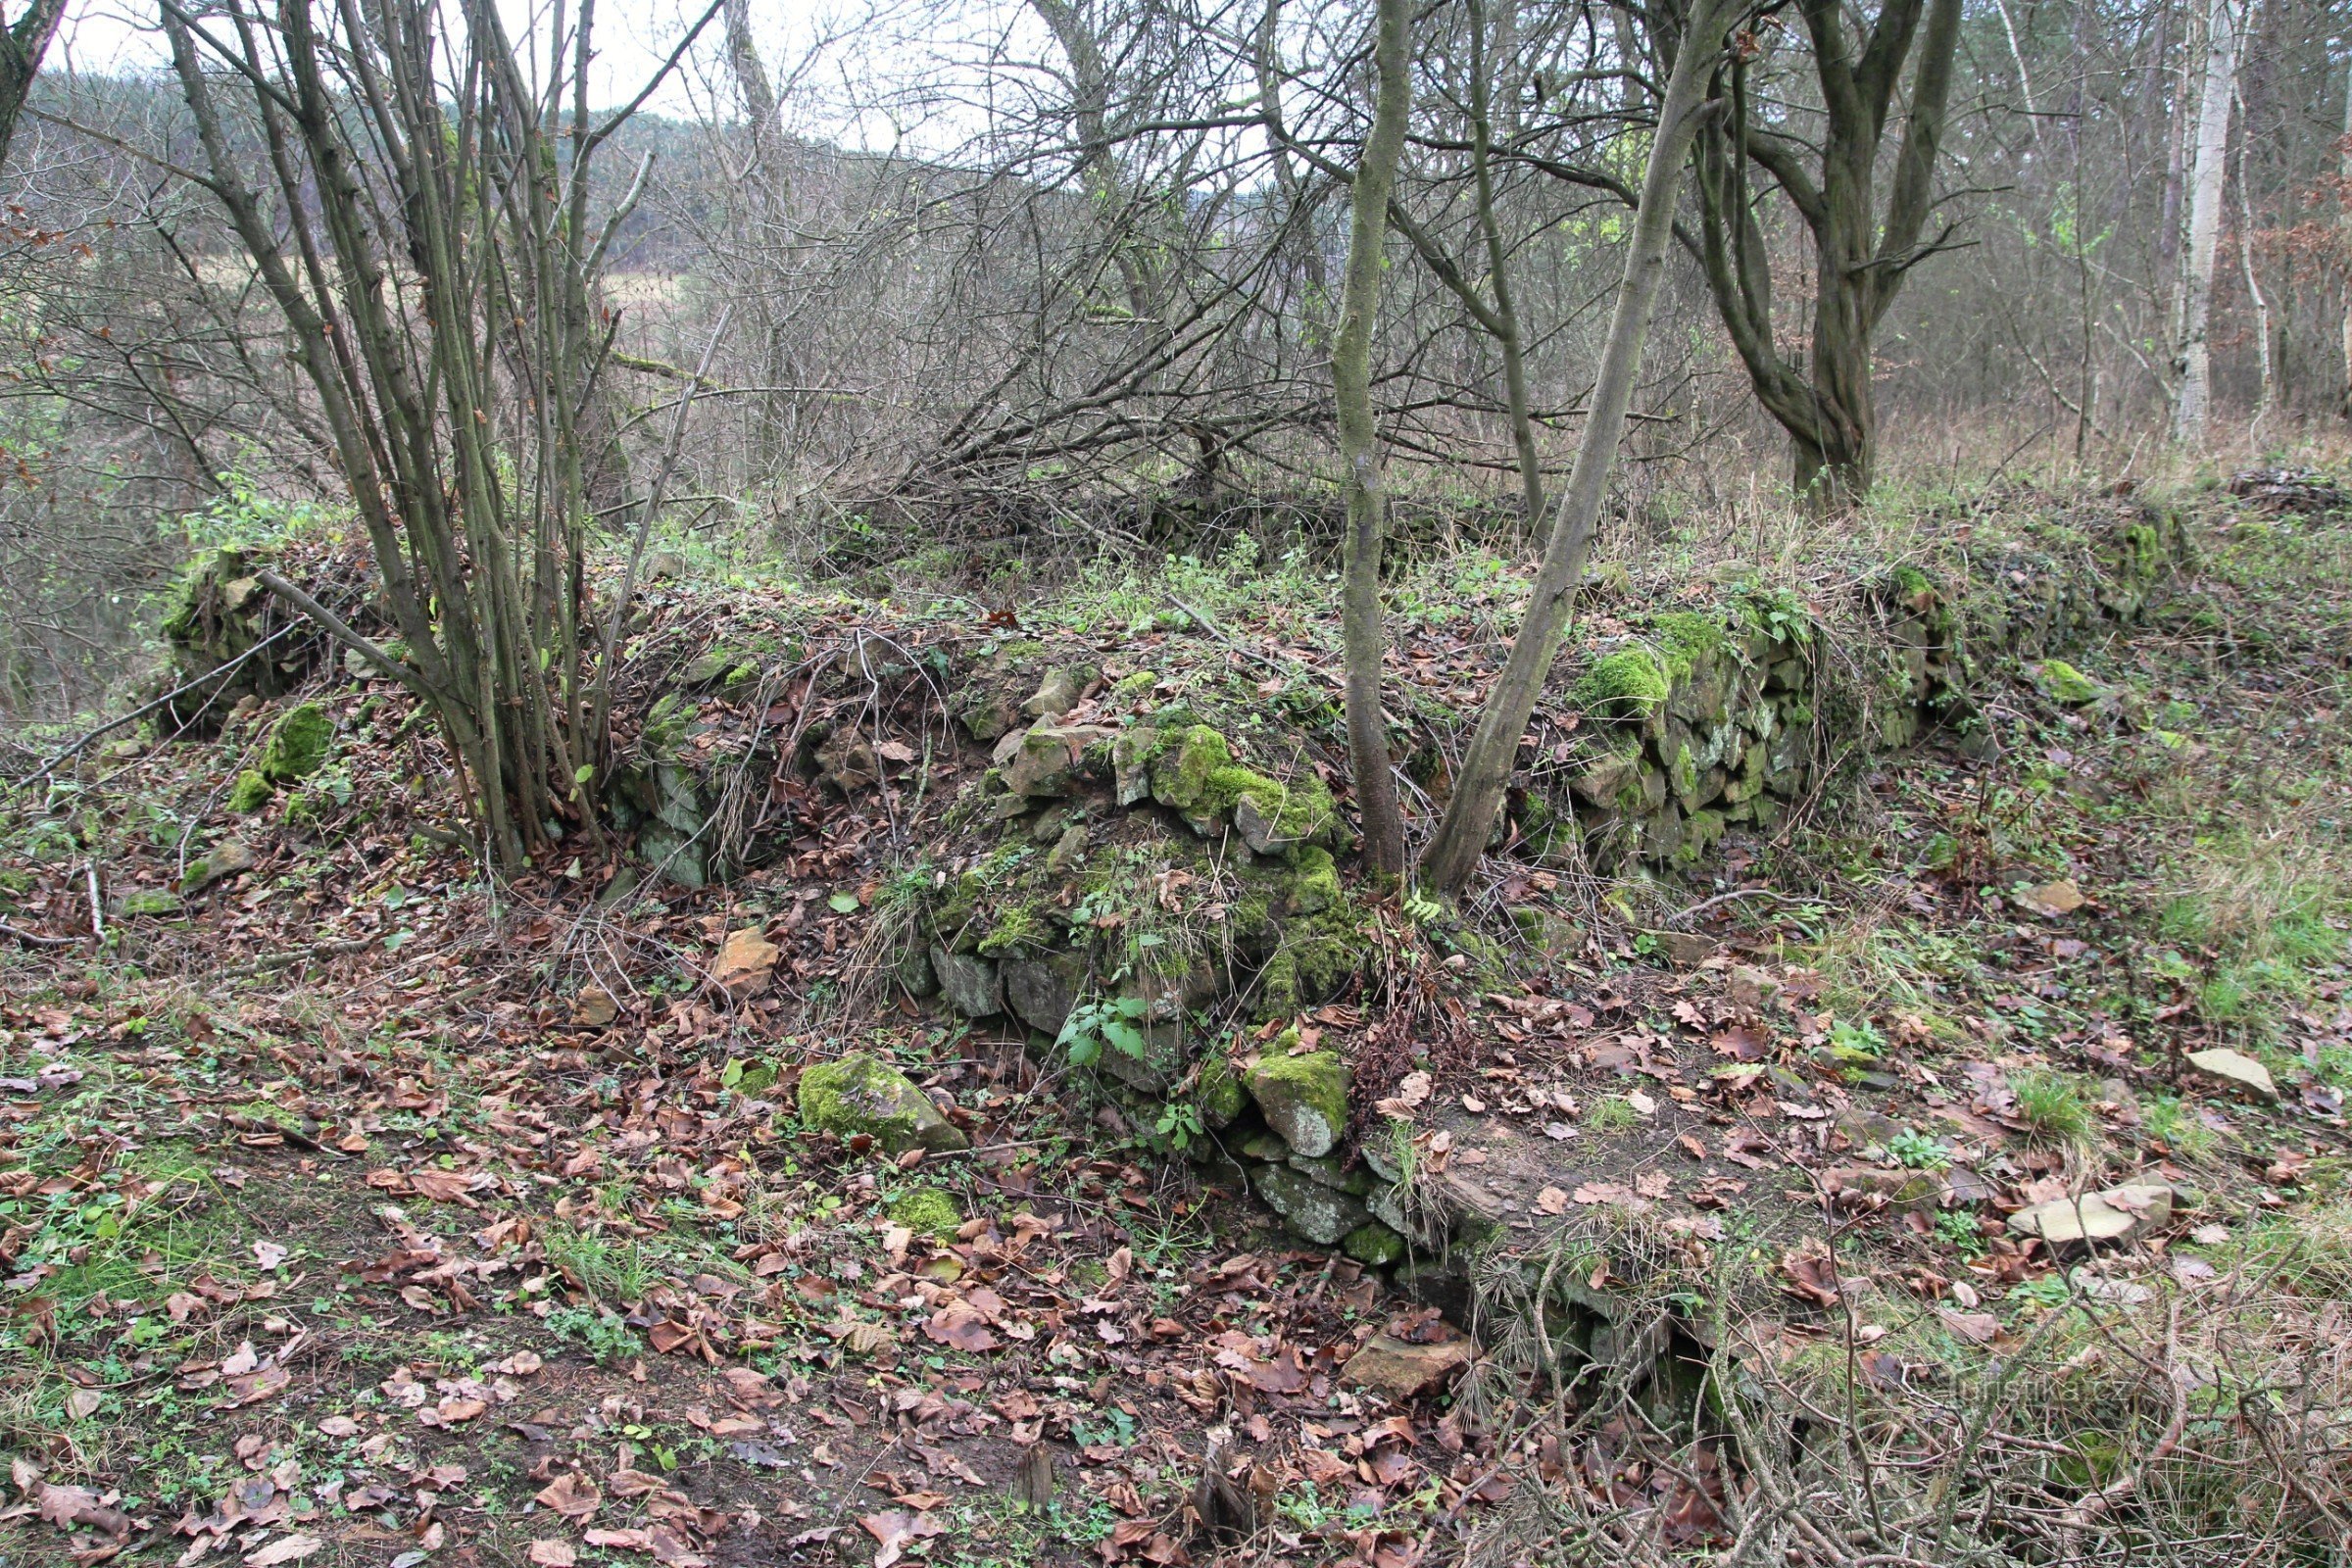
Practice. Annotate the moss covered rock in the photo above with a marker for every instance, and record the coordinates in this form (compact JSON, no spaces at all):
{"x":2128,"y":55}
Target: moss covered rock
{"x":149,"y":904}
{"x":1304,"y":1099}
{"x":1320,"y":1214}
{"x":927,"y":1211}
{"x":2064,"y":684}
{"x":250,"y":793}
{"x":298,"y":743}
{"x":1183,"y":763}
{"x":860,"y":1095}
{"x":1217,"y":1093}
{"x":1373,"y":1244}
{"x":1627,"y":684}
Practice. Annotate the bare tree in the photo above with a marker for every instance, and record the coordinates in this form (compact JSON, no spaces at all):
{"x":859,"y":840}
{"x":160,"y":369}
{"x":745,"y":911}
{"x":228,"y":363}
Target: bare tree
{"x":1486,"y":769}
{"x":23,"y":43}
{"x":1863,"y":251}
{"x":420,"y":218}
{"x":2193,"y":358}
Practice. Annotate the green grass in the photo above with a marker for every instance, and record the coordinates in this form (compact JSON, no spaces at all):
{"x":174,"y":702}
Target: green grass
{"x":2053,"y":1109}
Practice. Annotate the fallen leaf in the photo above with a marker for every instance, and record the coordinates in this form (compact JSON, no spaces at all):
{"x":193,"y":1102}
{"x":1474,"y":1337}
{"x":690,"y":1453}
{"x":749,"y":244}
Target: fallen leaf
{"x":1551,"y":1201}
{"x":286,"y":1549}
{"x":572,"y":1494}
{"x":550,"y":1554}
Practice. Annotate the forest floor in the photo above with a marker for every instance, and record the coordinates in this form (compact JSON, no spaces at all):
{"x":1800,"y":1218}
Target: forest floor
{"x":343,"y":1223}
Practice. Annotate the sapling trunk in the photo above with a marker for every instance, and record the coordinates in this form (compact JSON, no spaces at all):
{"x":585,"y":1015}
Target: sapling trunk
{"x":1359,"y":456}
{"x":1485,"y":767}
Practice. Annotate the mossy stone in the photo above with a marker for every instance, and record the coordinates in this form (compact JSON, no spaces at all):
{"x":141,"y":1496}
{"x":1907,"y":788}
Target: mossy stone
{"x":860,"y":1095}
{"x":149,"y":904}
{"x":1626,"y":684}
{"x":927,"y":1211}
{"x":1217,"y":1093}
{"x":298,"y":743}
{"x":1304,"y":1099}
{"x":250,"y":792}
{"x":1314,"y":881}
{"x":1374,"y":1244}
{"x":2064,"y":684}
{"x":1182,"y":768}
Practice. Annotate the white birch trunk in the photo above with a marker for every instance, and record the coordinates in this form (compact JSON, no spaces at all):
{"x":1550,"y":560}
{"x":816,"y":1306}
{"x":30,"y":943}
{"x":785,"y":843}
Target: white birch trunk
{"x":2206,"y":173}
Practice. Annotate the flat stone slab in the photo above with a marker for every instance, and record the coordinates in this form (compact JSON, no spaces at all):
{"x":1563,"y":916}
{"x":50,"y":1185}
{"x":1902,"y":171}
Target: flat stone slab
{"x":2234,"y":1067}
{"x":2117,"y":1214}
{"x":1403,"y":1371}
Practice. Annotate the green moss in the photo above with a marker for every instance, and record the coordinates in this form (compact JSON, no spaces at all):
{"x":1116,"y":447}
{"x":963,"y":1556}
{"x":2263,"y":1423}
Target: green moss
{"x":2060,"y":682}
{"x":1315,"y":881}
{"x":1626,"y":684}
{"x":860,"y":1095}
{"x":1373,"y":1244}
{"x":1133,"y":686}
{"x":927,"y":1211}
{"x":150,"y":904}
{"x":1912,"y":585}
{"x":298,"y":743}
{"x":1682,"y":772}
{"x":1217,"y":1092}
{"x":250,"y":793}
{"x":665,"y":729}
{"x":1184,"y":766}
{"x":1313,"y":957}
{"x":1298,"y":1093}
{"x":1688,"y":639}
{"x":1017,"y":926}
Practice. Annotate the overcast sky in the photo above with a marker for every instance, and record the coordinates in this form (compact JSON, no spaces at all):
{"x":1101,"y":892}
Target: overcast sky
{"x":828,"y":43}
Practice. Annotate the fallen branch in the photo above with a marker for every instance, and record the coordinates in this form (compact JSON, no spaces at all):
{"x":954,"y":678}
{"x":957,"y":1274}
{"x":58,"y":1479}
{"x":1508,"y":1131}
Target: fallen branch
{"x":34,"y":938}
{"x":144,"y":709}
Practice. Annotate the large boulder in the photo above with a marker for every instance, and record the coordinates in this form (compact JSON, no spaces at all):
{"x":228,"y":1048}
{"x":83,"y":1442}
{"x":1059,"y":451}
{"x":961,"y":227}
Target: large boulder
{"x":860,"y":1095}
{"x":1304,"y":1099}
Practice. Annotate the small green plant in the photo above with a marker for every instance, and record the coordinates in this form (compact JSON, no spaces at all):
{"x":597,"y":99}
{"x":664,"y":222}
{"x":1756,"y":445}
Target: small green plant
{"x":1613,"y":1115}
{"x":1914,"y":1149}
{"x":1856,"y":1042}
{"x":1101,"y":1021}
{"x":1180,"y":1124}
{"x":602,"y":1334}
{"x":2052,"y":1107}
{"x":1108,"y":1427}
{"x":1959,"y":1230}
{"x":2049,"y":1291}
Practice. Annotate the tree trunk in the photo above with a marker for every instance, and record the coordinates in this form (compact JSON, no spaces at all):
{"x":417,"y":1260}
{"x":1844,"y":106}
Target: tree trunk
{"x":2344,"y":222}
{"x":1359,"y":458}
{"x":2194,"y":358}
{"x":22,"y":42}
{"x":1486,"y":769}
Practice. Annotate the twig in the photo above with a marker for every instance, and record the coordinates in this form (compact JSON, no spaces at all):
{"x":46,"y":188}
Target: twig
{"x":34,"y":938}
{"x":89,"y":871}
{"x":144,"y":709}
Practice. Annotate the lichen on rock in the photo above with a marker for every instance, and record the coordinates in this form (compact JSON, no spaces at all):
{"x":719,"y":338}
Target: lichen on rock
{"x":1304,"y":1099}
{"x":861,"y":1095}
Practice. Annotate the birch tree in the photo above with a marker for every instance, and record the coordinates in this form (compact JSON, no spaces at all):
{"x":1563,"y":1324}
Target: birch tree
{"x":2193,"y":360}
